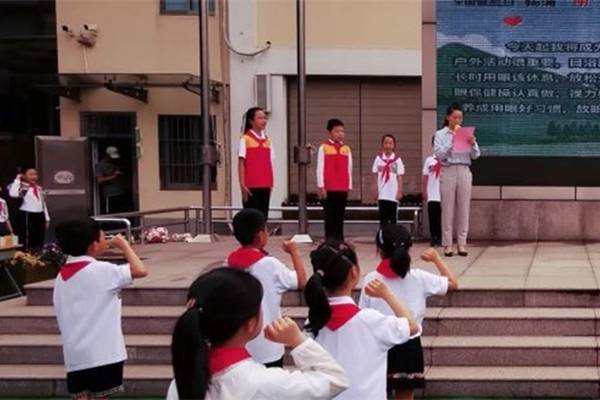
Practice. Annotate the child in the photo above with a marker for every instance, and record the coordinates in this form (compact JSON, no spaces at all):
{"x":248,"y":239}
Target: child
{"x":255,"y":166}
{"x":87,"y":303}
{"x":33,"y":213}
{"x":334,"y":179}
{"x":357,"y":339}
{"x":250,"y":229}
{"x":430,"y":188}
{"x":413,"y":287}
{"x":208,"y":354}
{"x":5,"y":226}
{"x":388,"y":169}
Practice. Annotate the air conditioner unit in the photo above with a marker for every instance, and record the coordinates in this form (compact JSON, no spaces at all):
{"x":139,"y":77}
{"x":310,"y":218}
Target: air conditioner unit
{"x":262,"y":92}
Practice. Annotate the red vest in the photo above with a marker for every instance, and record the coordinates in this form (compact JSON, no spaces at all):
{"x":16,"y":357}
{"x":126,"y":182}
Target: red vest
{"x":335,"y":169}
{"x":259,"y":170}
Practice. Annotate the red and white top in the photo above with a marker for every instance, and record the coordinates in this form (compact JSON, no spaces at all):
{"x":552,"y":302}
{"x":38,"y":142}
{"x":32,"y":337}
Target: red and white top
{"x":235,"y":376}
{"x":388,"y":169}
{"x":276,"y":279}
{"x":334,"y":167}
{"x":359,"y":340}
{"x":412,"y":290}
{"x":258,"y":153}
{"x":87,"y":304}
{"x":32,"y":195}
{"x":433,"y":170}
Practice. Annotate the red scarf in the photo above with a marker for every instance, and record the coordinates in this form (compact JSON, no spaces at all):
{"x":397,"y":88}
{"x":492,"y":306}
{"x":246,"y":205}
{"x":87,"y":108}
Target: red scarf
{"x":1,"y":208}
{"x":261,"y":141}
{"x":245,"y":257}
{"x":221,"y":358}
{"x":387,"y":168}
{"x":69,"y":270}
{"x":340,"y":314}
{"x":385,"y":268}
{"x":437,"y":167}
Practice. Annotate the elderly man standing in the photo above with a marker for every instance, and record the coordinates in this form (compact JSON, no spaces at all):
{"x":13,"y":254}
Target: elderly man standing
{"x":109,"y":177}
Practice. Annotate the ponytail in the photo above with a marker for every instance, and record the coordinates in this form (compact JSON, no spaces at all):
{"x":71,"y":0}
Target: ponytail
{"x":394,"y":243}
{"x":189,"y":352}
{"x":332,"y":263}
{"x":249,"y":117}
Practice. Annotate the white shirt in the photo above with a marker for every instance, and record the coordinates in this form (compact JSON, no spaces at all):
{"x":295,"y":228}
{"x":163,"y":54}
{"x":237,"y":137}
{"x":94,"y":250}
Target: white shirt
{"x":321,"y":167}
{"x":242,"y":145}
{"x":318,"y":376}
{"x":31,"y":202}
{"x":361,"y":346}
{"x":88,"y":310}
{"x":433,"y":181}
{"x":412,"y":290}
{"x":276,"y":279}
{"x":388,"y":190}
{"x":3,"y":211}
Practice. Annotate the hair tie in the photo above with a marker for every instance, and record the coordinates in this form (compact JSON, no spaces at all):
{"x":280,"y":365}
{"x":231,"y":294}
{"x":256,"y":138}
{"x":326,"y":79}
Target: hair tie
{"x":320,"y":272}
{"x":200,"y":310}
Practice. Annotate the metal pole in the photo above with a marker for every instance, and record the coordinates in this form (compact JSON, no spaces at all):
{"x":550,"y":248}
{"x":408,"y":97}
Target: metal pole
{"x":303,"y":156}
{"x":207,"y":155}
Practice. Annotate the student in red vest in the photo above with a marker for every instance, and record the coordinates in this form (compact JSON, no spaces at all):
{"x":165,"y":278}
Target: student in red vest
{"x":255,"y":162}
{"x":334,"y":179}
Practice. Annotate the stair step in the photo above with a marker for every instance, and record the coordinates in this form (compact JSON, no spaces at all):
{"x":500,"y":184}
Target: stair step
{"x":484,"y":381}
{"x":40,"y":294}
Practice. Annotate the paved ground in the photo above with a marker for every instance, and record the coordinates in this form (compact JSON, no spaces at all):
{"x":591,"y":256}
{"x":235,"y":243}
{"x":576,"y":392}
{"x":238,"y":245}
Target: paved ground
{"x":499,"y":265}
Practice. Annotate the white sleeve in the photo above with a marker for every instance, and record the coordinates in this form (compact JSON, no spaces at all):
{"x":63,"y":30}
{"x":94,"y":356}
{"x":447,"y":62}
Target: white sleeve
{"x":118,"y":276}
{"x":365,"y":301}
{"x":46,"y":214}
{"x":389,"y":331}
{"x":15,"y":188}
{"x":400,"y":165}
{"x":285,"y":279}
{"x":4,"y":209}
{"x":426,"y":167}
{"x":350,"y":169}
{"x":242,"y":148}
{"x":320,"y":167}
{"x":172,"y":392}
{"x":272,"y":151}
{"x":433,"y":285}
{"x":375,"y":168}
{"x":318,"y":376}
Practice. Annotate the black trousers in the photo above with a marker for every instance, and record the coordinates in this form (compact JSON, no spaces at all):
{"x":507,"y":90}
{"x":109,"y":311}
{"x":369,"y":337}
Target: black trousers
{"x":388,"y":212}
{"x":434,"y":209}
{"x":334,"y":208}
{"x":115,"y":204}
{"x":260,"y":199}
{"x":32,"y":229}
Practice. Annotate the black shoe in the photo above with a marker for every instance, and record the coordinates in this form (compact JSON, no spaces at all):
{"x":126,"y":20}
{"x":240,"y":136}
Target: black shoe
{"x":463,"y":253}
{"x":448,"y":254}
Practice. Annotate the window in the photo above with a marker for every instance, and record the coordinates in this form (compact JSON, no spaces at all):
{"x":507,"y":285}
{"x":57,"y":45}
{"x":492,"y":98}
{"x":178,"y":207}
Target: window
{"x":185,"y":6}
{"x":180,"y":141}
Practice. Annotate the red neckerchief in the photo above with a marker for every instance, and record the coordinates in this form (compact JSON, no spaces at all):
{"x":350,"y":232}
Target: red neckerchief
{"x":437,"y":167}
{"x":245,"y":257}
{"x":337,"y":144}
{"x":1,"y":208}
{"x":385,"y":268}
{"x":261,"y":141}
{"x":221,"y":358}
{"x":340,"y":314}
{"x":387,"y":168}
{"x":68,"y":270}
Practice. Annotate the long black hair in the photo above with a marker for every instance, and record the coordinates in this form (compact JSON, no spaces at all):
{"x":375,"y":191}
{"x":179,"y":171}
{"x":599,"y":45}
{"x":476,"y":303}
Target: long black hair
{"x":451,"y":108}
{"x":249,"y":117}
{"x":224,"y":300}
{"x":332,"y":262}
{"x":393,"y":242}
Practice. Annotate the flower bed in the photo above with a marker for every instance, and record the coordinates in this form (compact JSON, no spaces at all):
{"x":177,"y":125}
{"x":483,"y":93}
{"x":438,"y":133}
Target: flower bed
{"x":27,"y":268}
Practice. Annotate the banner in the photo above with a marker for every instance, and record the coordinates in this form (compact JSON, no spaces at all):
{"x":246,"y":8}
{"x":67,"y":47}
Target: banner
{"x":527,"y":73}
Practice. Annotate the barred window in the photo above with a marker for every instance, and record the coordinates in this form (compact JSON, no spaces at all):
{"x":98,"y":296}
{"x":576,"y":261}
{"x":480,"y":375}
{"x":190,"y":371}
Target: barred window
{"x":180,"y":141}
{"x":185,"y":6}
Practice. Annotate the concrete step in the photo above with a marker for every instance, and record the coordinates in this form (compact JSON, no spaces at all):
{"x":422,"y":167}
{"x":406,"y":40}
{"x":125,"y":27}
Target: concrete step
{"x":40,"y":294}
{"x":18,"y":318}
{"x":444,"y":382}
{"x":438,"y":351}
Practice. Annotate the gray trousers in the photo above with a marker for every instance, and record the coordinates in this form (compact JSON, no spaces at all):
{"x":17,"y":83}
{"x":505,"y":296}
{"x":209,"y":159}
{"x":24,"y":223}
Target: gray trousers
{"x":456,"y":182}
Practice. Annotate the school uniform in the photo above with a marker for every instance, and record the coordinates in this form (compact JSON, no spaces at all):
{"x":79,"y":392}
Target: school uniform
{"x":234,"y":375}
{"x":33,"y":214}
{"x":334,"y":174}
{"x":405,"y":362}
{"x":4,"y":218}
{"x":87,"y":304}
{"x":388,"y":169}
{"x":359,"y":340}
{"x":257,"y":151}
{"x":432,"y":169}
{"x":455,"y":183}
{"x":276,"y":279}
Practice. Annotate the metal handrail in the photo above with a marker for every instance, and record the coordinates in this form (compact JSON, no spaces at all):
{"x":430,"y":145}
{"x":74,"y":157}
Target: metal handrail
{"x":123,"y":221}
